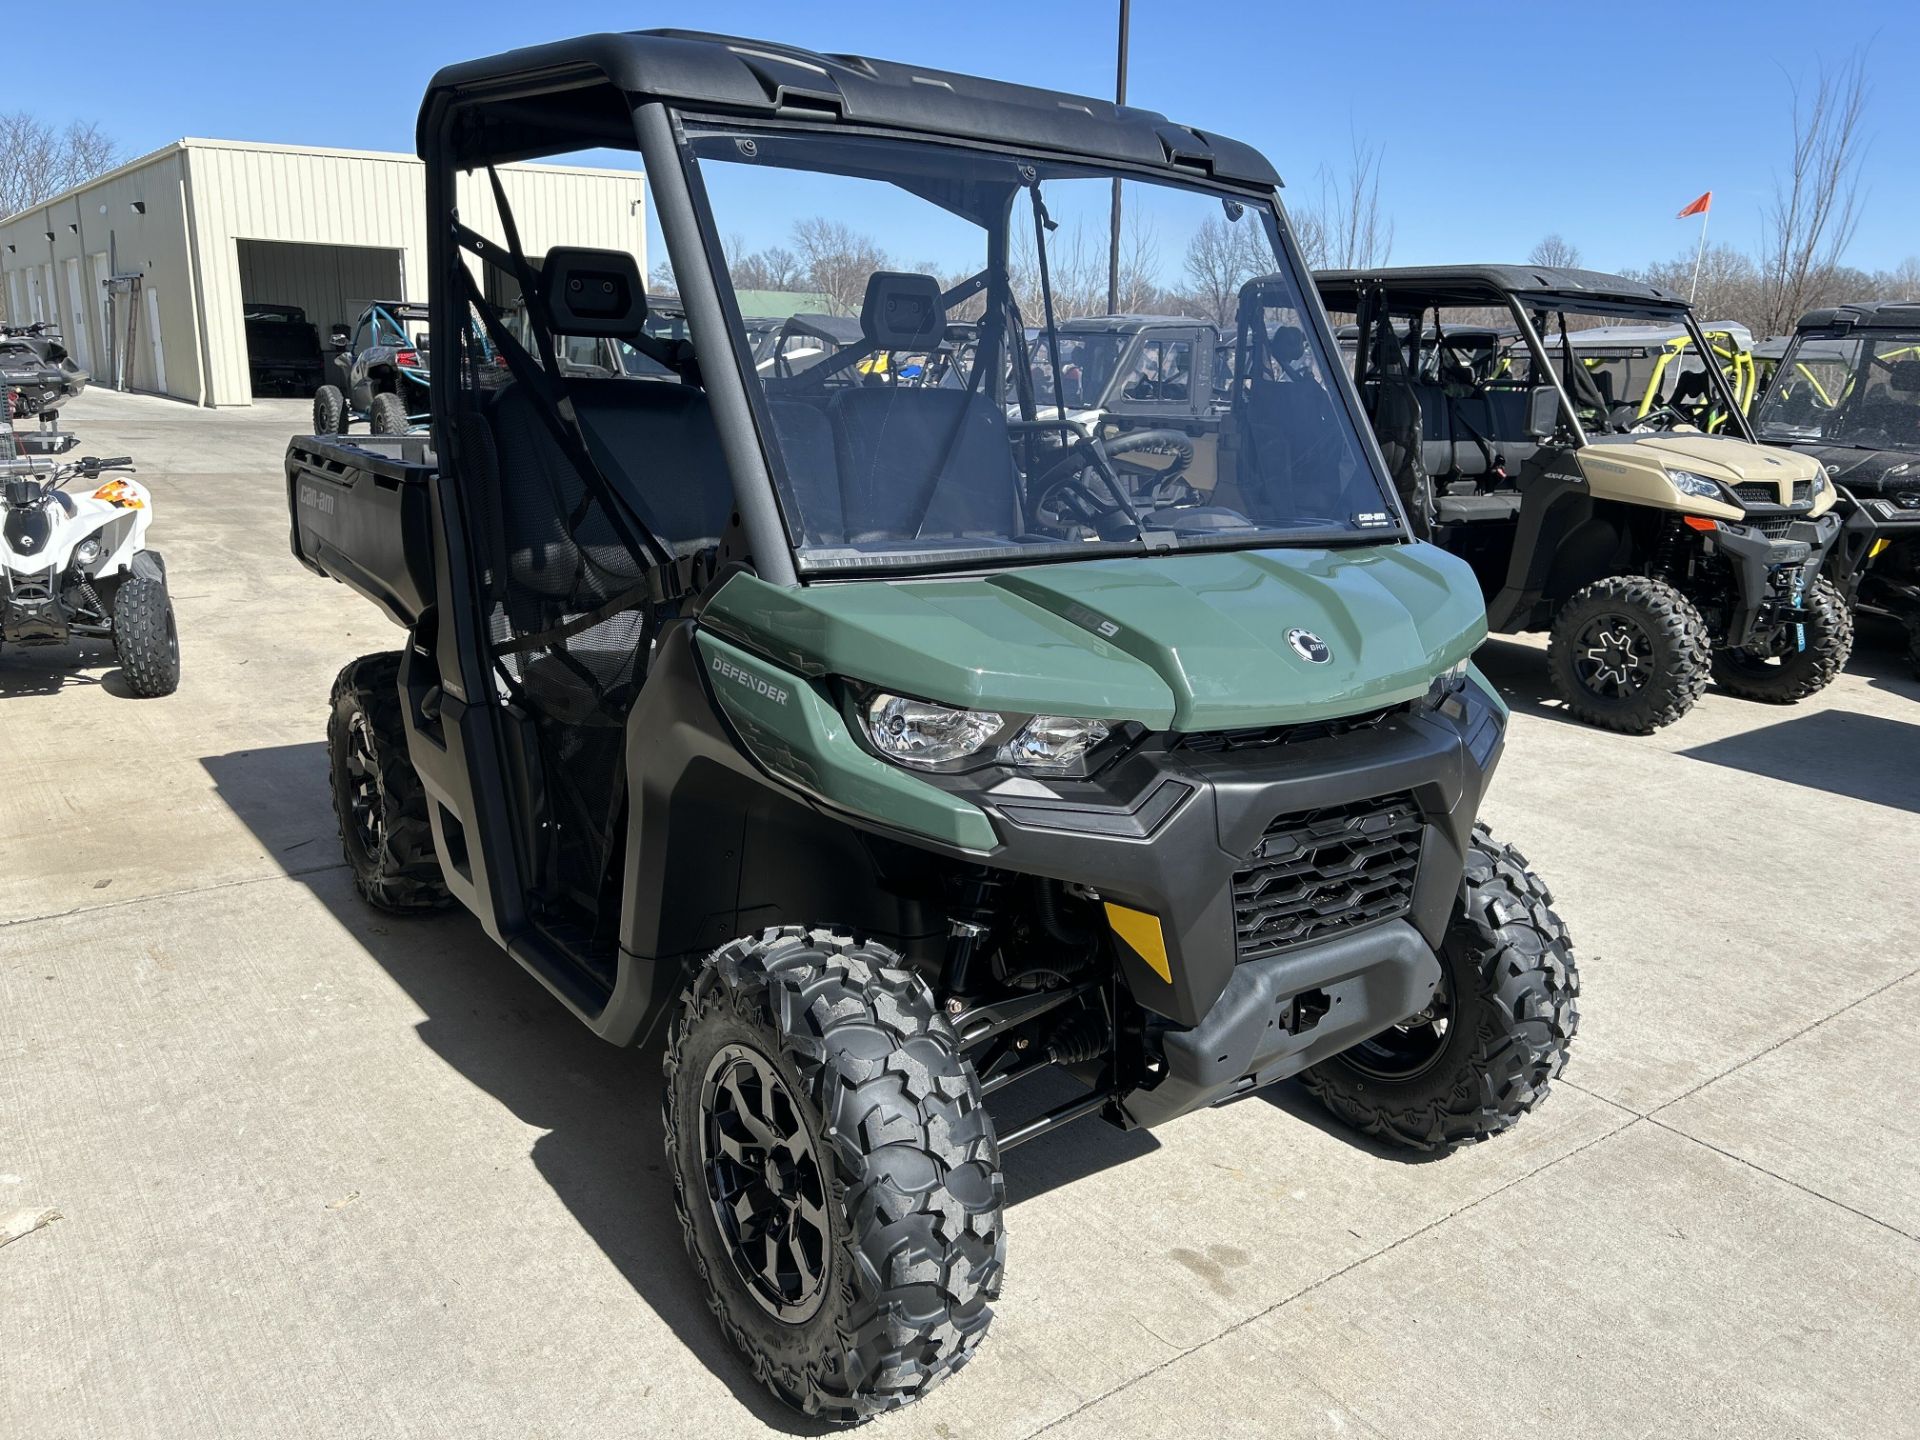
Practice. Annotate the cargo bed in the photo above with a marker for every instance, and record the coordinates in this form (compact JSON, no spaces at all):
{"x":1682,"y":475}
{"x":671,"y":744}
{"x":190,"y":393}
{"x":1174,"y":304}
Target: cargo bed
{"x":361,"y":510}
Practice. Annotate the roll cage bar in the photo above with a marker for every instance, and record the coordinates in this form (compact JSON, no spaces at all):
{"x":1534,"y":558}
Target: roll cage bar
{"x":1380,"y":296}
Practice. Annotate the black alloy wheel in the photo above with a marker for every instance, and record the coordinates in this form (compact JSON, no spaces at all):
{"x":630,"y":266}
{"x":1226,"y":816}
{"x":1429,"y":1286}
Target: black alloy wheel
{"x":1613,"y":656}
{"x":764,"y":1183}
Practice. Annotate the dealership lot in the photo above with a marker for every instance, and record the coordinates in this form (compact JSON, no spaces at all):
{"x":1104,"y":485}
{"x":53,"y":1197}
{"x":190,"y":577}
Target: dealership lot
{"x":324,"y":1172}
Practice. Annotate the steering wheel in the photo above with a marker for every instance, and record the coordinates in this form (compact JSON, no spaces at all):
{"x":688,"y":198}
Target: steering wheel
{"x":1066,"y":498}
{"x":1675,"y":416}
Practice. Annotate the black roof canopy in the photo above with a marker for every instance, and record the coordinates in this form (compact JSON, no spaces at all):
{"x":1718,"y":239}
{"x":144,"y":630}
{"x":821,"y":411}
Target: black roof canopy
{"x":549,"y":97}
{"x":1539,"y":286}
{"x":1865,"y":314}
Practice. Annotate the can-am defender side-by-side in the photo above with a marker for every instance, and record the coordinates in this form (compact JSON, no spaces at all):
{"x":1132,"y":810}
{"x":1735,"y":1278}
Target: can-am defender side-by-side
{"x":77,"y":566}
{"x":1847,"y":394}
{"x":774,"y":711}
{"x":1654,"y":555}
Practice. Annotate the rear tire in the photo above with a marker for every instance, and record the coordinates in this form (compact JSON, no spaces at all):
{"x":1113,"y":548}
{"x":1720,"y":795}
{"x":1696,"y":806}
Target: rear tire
{"x":1505,"y":1014}
{"x":388,"y":414}
{"x":1781,"y":680}
{"x":835,"y":1171}
{"x":1629,"y":653}
{"x":378,"y":801}
{"x":145,"y":637}
{"x":329,"y":411}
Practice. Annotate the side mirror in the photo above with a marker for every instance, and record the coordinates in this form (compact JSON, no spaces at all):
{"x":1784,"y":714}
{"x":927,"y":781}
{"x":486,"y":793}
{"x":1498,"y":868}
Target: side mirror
{"x":1543,"y":413}
{"x":338,"y":336}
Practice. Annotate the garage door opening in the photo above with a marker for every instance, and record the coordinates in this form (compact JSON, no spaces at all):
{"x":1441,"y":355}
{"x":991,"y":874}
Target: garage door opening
{"x":294,"y":295}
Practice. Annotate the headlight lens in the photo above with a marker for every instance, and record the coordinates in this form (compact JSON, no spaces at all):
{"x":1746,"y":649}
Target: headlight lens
{"x":88,"y":550}
{"x":1820,"y":485}
{"x":1700,"y":486}
{"x":1057,"y":743}
{"x":925,"y":735}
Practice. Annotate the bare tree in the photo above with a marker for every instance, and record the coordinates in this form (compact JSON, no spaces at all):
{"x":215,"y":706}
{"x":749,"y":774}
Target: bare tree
{"x":1356,"y":234}
{"x":1816,"y":204}
{"x":1555,"y":251}
{"x":37,"y":161}
{"x":1900,"y":283}
{"x":836,"y":261}
{"x":774,"y":268}
{"x":1310,"y":234}
{"x":1731,"y":287}
{"x":1221,"y":257}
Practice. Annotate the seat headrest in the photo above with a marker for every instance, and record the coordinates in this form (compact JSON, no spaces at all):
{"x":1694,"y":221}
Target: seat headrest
{"x":593,"y":293}
{"x":902,"y":312}
{"x":1903,"y":376}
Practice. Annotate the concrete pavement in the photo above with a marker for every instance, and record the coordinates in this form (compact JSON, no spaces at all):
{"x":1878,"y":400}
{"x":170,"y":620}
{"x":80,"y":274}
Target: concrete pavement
{"x":321,"y":1172}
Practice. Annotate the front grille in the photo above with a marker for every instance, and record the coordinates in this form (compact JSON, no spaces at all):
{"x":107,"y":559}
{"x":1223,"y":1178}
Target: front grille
{"x":1260,"y":737}
{"x":1759,"y":492}
{"x":1773,"y":527}
{"x":1321,"y":872}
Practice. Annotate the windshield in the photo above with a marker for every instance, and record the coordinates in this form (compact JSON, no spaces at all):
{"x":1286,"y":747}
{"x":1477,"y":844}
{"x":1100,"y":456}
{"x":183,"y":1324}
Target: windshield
{"x":933,"y":434}
{"x":1863,"y":390}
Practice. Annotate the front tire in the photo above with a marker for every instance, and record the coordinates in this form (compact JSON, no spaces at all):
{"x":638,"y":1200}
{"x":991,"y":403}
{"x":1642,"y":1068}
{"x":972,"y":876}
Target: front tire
{"x":1629,"y":653}
{"x":329,"y":411}
{"x":388,"y":414}
{"x":145,"y":637}
{"x":835,"y":1171}
{"x":1807,"y":670}
{"x":1486,"y":1051}
{"x":385,"y":832}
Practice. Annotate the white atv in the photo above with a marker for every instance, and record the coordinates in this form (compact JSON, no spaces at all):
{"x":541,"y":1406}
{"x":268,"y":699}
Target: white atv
{"x":76,"y":567}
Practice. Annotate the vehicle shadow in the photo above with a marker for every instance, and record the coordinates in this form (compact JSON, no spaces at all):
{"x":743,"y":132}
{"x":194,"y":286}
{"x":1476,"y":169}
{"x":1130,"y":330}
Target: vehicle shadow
{"x":1863,"y":757}
{"x":1292,"y":1098}
{"x":1519,"y":673}
{"x":1880,"y":654}
{"x":602,"y":1152}
{"x":53,"y":668}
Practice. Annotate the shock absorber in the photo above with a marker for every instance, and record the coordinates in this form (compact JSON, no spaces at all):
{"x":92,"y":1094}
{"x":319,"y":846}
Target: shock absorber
{"x":970,"y":926}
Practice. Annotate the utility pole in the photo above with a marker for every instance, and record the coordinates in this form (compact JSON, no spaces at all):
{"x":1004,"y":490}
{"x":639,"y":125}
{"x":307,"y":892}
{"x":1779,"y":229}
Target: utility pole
{"x":1113,"y":239}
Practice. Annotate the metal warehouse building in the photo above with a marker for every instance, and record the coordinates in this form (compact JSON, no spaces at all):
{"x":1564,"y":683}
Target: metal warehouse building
{"x":149,"y":269}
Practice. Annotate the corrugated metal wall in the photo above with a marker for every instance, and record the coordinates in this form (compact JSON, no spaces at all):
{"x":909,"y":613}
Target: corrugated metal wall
{"x":198,"y":199}
{"x":375,"y":201}
{"x":136,"y":214}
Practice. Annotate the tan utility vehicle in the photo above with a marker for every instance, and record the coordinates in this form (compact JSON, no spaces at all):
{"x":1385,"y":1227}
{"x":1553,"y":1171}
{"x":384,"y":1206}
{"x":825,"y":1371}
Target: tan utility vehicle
{"x":1657,"y":556}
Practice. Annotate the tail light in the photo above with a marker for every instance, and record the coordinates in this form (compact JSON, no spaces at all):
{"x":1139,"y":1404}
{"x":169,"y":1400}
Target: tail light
{"x":406,"y":357}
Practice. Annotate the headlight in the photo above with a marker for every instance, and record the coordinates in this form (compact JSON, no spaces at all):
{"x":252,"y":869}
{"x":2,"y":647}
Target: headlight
{"x":1689,"y":483}
{"x":87,"y":551}
{"x":1057,"y":743}
{"x":923,"y":734}
{"x":1820,"y":485}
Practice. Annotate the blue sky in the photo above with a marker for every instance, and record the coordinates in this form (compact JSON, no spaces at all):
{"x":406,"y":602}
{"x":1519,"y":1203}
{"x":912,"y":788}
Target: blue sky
{"x":1498,"y":122}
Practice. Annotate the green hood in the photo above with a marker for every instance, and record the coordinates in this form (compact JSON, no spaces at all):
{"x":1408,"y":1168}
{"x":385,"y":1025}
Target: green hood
{"x":1187,"y":642}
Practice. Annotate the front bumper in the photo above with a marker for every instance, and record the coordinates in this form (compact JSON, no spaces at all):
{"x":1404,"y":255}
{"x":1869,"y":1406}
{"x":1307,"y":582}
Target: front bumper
{"x":1873,"y":562}
{"x":1771,"y":570}
{"x":1280,"y":1015}
{"x":1167,"y":829}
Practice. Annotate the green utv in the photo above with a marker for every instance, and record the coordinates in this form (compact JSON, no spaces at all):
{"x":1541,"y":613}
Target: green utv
{"x":769,"y":711}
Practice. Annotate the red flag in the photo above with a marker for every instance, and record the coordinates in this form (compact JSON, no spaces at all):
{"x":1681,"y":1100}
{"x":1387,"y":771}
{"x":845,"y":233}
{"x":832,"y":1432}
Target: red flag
{"x":1698,"y":207}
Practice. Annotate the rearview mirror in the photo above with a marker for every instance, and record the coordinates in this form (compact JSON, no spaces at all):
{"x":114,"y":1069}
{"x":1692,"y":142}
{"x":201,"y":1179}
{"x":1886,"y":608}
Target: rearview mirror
{"x":1543,"y":413}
